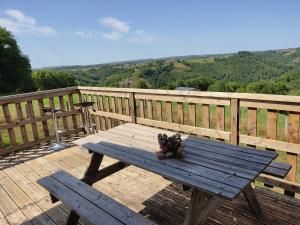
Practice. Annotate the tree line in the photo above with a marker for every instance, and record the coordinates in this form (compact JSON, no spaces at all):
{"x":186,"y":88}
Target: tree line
{"x":16,"y":74}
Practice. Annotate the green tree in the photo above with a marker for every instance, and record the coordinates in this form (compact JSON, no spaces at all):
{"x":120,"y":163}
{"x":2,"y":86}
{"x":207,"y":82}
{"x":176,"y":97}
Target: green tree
{"x":202,"y":83}
{"x":44,"y":80}
{"x":219,"y":85}
{"x":268,"y":87}
{"x":15,"y":69}
{"x":141,"y":84}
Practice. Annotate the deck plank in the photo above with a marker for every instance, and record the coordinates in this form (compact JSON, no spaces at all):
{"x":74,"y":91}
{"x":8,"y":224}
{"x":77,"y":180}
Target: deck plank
{"x":140,"y":190}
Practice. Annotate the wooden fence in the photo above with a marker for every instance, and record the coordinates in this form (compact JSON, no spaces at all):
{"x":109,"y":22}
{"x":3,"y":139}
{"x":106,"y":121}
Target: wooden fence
{"x":269,"y":122}
{"x":23,"y":123}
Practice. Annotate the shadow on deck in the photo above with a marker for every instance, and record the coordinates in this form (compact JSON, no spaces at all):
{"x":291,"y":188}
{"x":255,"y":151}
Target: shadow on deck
{"x":23,"y":201}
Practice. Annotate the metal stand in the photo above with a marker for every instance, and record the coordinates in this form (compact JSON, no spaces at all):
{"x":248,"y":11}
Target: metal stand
{"x":59,"y":145}
{"x":87,"y":117}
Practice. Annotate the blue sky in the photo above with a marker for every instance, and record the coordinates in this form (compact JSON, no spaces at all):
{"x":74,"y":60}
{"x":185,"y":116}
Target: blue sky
{"x":66,"y":32}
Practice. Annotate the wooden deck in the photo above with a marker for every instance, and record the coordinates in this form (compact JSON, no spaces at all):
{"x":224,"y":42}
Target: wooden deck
{"x":23,"y":201}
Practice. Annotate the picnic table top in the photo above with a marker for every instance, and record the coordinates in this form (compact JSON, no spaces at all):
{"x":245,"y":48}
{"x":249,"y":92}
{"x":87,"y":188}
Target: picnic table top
{"x":210,"y":166}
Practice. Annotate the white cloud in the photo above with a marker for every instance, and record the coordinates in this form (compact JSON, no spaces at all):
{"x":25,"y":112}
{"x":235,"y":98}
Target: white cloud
{"x":115,"y":24}
{"x":114,"y":35}
{"x":120,"y":30}
{"x":17,"y":22}
{"x":142,"y":37}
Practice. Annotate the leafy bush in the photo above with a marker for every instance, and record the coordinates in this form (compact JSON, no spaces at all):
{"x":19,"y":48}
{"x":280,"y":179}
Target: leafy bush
{"x":268,"y":87}
{"x":44,"y":80}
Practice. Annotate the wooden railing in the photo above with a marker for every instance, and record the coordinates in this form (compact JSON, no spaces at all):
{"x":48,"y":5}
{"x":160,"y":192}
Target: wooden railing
{"x":268,"y":122}
{"x":23,"y":124}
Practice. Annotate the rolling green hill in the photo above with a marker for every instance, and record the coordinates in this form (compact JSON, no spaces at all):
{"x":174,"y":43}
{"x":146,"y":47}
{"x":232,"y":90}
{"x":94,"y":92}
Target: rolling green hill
{"x":274,"y":71}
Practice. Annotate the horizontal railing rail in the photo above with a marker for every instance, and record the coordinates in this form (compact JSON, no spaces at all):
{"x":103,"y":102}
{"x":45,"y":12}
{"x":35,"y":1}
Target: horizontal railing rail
{"x":23,"y":123}
{"x":267,"y":122}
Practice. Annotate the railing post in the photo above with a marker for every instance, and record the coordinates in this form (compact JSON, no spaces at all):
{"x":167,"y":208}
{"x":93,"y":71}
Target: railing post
{"x":234,"y":114}
{"x":82,"y":117}
{"x":293,"y":137}
{"x":132,"y":107}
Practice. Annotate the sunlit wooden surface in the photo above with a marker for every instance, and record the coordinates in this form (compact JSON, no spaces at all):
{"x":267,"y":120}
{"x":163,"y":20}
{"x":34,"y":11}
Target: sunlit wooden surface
{"x":23,"y":201}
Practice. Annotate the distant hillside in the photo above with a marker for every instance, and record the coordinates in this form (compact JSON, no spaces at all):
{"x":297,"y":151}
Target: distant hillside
{"x":266,"y":71}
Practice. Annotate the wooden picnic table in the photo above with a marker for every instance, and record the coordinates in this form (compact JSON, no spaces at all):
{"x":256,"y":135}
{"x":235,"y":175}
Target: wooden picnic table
{"x":214,"y":170}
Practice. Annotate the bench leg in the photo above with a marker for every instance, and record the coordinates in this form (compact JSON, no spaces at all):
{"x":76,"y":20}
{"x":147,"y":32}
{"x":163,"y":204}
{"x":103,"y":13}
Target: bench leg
{"x":73,"y":218}
{"x":92,"y":168}
{"x":185,"y":187}
{"x":201,"y":205}
{"x":251,"y":199}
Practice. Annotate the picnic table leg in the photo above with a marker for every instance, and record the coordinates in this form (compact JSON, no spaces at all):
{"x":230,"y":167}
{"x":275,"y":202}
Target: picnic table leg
{"x":201,"y":205}
{"x":92,"y":168}
{"x":251,"y":199}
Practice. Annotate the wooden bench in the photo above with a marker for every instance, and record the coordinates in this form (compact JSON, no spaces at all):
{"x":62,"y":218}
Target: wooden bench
{"x":277,"y":169}
{"x":94,"y":206}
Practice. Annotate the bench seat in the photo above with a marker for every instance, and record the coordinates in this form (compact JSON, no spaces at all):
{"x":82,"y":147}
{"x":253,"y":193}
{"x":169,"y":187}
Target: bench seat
{"x":278,"y":169}
{"x":92,"y":205}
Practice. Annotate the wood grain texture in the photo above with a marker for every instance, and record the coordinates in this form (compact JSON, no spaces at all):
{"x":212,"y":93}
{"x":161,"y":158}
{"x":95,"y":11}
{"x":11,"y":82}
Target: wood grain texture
{"x":272,"y":117}
{"x":127,"y":107}
{"x":96,"y":108}
{"x":235,"y":122}
{"x":31,"y":115}
{"x":119,"y":143}
{"x":205,"y":117}
{"x":220,"y":118}
{"x":192,"y":114}
{"x":142,"y":108}
{"x":63,"y":107}
{"x":200,"y":207}
{"x":147,"y":193}
{"x":159,"y":110}
{"x":111,"y":115}
{"x":252,"y":123}
{"x":101,"y":201}
{"x":107,"y":109}
{"x":268,"y":143}
{"x":251,"y":199}
{"x":132,"y":108}
{"x":185,"y":128}
{"x":11,"y":132}
{"x":293,"y":137}
{"x":243,"y":96}
{"x":169,"y":112}
{"x":149,"y":109}
{"x":183,"y":99}
{"x":120,"y":109}
{"x":113,"y":110}
{"x":74,"y":117}
{"x":22,"y":127}
{"x":101,"y":108}
{"x":42,"y":113}
{"x":180,"y":113}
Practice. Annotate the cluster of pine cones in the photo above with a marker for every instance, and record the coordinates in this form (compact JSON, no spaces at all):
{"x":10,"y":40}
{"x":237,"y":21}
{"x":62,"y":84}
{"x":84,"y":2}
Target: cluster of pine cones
{"x":170,"y":147}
